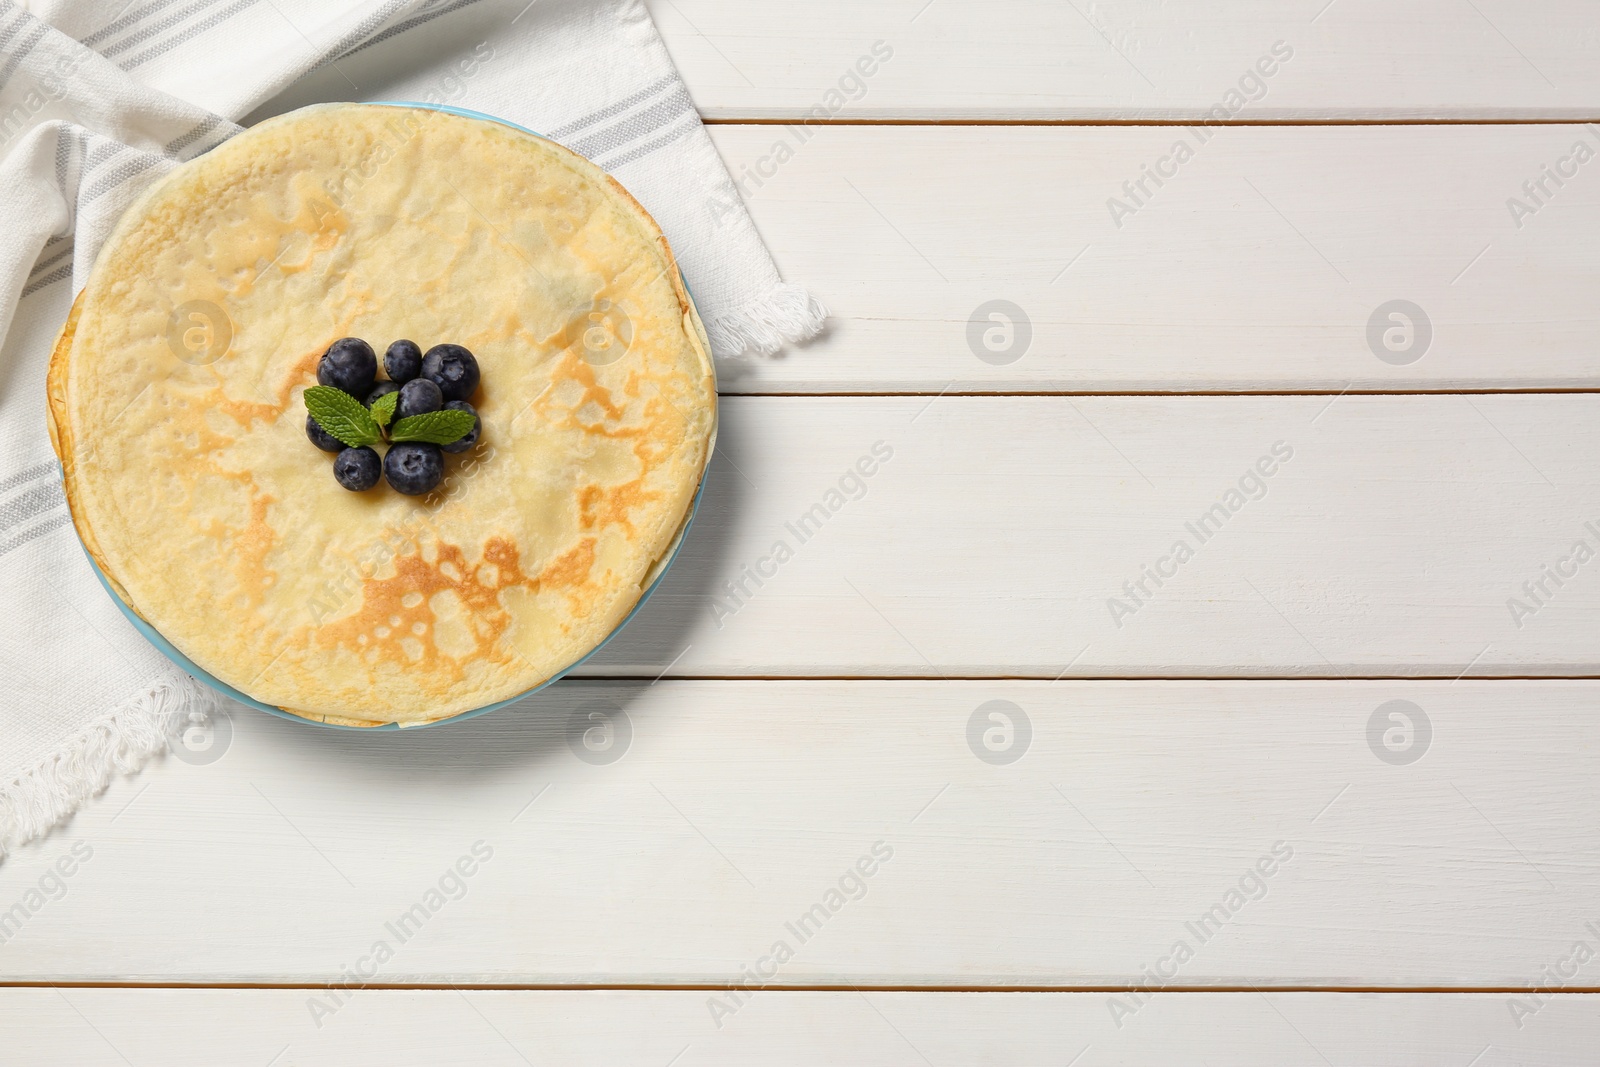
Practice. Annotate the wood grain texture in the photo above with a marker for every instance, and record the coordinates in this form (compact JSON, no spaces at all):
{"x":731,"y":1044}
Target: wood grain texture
{"x":732,"y":810}
{"x":1004,"y":534}
{"x":1258,"y":264}
{"x":676,"y":838}
{"x":189,"y":1028}
{"x":1136,"y":59}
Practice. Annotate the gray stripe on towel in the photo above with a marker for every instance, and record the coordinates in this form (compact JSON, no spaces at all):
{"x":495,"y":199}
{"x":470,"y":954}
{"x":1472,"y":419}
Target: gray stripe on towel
{"x":30,"y":474}
{"x":100,"y":153}
{"x":366,"y":27}
{"x":55,"y":522}
{"x":49,"y":279}
{"x":645,"y":149}
{"x":33,"y":502}
{"x":188,"y":34}
{"x":63,"y":146}
{"x":633,"y":128}
{"x":43,"y":263}
{"x":401,"y":27}
{"x":24,"y":46}
{"x":124,"y":22}
{"x":155,"y":29}
{"x":176,"y":146}
{"x":613,"y":109}
{"x":114,"y":177}
{"x":14,"y":27}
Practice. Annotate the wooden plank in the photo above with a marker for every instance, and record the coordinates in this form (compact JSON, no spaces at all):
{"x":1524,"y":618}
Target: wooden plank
{"x":190,"y":1028}
{"x":1135,"y":59}
{"x":872,"y":828}
{"x":1261,"y":263}
{"x":1005,"y":536}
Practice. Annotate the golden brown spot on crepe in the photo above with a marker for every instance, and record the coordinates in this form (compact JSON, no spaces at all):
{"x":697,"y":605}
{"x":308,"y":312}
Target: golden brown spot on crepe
{"x":603,"y":507}
{"x":322,"y":223}
{"x":304,"y":369}
{"x":572,"y":367}
{"x":589,"y":498}
{"x":266,"y":242}
{"x":396,"y":621}
{"x":246,"y":411}
{"x":190,"y":431}
{"x":253,"y":543}
{"x":571,"y":568}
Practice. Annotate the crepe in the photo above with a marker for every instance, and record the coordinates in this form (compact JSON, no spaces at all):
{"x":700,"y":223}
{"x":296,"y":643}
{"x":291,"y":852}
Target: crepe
{"x":176,"y":411}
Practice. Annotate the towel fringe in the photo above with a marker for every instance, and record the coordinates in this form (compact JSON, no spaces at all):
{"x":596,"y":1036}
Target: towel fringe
{"x":123,"y":742}
{"x":788,"y":314}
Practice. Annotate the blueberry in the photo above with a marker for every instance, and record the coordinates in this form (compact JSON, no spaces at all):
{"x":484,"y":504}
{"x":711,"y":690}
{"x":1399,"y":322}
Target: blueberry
{"x":413,"y":468}
{"x":453,"y":369}
{"x":403,"y":361}
{"x":380,"y":390}
{"x":349,"y":364}
{"x":472,"y":434}
{"x":322,"y":438}
{"x":358,"y":469}
{"x":417,"y":397}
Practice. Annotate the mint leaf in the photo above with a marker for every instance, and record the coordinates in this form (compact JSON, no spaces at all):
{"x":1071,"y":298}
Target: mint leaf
{"x":434,"y":427}
{"x":383,"y":407}
{"x":343,"y":416}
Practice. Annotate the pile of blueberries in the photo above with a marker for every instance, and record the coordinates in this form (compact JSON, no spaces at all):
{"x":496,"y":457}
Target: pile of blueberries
{"x":443,"y":378}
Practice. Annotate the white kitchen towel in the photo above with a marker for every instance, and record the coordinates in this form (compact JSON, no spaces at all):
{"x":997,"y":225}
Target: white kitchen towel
{"x":100,"y":97}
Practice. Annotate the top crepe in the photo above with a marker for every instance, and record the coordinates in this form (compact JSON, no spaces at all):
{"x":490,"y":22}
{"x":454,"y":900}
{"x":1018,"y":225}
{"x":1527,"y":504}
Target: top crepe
{"x":175,"y":404}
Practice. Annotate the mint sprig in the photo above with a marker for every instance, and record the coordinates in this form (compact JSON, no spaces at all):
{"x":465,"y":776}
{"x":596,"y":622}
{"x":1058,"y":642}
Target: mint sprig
{"x":433,"y":427}
{"x":383,"y":407}
{"x":346,"y":418}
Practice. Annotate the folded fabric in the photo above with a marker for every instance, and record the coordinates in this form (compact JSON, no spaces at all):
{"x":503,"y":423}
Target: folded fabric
{"x":98,"y":98}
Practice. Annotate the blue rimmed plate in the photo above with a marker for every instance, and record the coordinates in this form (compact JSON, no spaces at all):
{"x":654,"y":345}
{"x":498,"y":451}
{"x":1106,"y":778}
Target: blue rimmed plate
{"x":654,"y":579}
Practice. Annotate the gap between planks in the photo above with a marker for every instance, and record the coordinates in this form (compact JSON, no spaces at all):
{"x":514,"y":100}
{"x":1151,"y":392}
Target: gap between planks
{"x":1395,"y":121}
{"x":1163,"y":393}
{"x":863,"y":987}
{"x":1131,"y":679}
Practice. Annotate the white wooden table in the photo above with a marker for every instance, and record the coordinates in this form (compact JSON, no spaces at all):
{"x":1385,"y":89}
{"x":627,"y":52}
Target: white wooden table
{"x":986,"y":773}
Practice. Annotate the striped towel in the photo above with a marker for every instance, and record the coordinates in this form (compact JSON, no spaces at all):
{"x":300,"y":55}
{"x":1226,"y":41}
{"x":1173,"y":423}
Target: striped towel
{"x":100,"y":97}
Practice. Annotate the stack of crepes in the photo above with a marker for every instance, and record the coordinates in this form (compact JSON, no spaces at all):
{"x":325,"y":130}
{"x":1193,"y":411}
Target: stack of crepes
{"x":100,"y":100}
